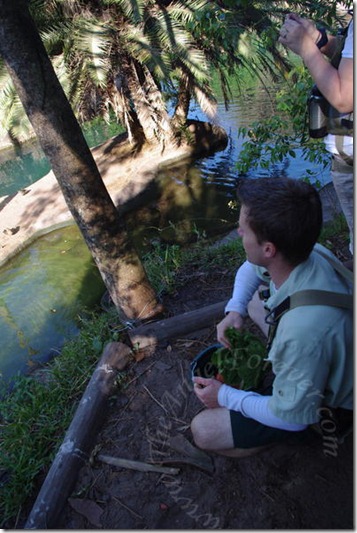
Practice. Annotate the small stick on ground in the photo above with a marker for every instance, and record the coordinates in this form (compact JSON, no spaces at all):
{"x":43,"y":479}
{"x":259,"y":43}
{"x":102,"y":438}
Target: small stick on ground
{"x":136,"y":465}
{"x":155,"y":400}
{"x":127,"y":508}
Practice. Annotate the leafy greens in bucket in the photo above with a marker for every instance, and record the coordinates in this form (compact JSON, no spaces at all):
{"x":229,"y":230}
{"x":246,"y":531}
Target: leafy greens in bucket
{"x":243,"y":365}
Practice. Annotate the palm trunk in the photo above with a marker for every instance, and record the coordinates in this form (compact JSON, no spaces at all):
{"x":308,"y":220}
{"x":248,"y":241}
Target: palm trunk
{"x":149,"y":106}
{"x":179,"y":118}
{"x":72,"y":162}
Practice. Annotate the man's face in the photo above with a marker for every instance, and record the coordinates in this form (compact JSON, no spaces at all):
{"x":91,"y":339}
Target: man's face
{"x":252,"y":248}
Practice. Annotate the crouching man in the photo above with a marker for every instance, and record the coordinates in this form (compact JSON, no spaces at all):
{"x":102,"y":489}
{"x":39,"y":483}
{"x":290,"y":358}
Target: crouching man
{"x":310,"y":345}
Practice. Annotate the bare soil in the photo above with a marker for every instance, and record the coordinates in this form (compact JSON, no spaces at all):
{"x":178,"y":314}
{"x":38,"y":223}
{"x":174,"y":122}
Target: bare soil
{"x":290,"y":486}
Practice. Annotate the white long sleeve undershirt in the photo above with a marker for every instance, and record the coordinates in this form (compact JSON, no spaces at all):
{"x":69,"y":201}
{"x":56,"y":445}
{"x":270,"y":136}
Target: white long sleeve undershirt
{"x":253,"y":405}
{"x":245,"y":284}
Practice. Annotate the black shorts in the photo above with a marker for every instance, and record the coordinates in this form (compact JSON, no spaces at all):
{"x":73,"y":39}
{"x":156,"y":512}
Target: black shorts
{"x":249,"y":433}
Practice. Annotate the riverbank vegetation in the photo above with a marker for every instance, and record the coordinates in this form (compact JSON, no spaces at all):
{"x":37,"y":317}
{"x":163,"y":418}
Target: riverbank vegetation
{"x":271,"y":140}
{"x":37,"y":412}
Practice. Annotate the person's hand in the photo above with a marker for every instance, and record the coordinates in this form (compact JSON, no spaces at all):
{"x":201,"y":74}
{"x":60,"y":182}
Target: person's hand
{"x":299,"y":35}
{"x":232,"y":319}
{"x":207,"y":391}
{"x":308,"y":25}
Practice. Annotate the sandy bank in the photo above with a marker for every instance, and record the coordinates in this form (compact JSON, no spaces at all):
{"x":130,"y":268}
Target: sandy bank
{"x":31,"y":212}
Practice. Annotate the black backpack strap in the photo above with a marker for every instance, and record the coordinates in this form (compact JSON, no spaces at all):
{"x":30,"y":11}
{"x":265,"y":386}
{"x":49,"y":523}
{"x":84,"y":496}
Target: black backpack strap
{"x":311,"y":297}
{"x":337,"y":265}
{"x":306,"y":297}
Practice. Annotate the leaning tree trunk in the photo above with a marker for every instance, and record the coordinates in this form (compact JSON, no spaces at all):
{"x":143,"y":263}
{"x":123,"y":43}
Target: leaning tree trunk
{"x":149,"y":106}
{"x":72,"y":162}
{"x":179,"y":118}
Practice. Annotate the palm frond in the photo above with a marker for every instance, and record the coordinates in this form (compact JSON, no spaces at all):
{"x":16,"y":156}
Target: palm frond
{"x":186,"y":12}
{"x":93,"y":40}
{"x":14,"y":121}
{"x":206,"y":102}
{"x":133,"y":10}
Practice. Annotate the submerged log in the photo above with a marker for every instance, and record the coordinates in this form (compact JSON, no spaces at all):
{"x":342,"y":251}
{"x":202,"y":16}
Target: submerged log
{"x":77,"y":444}
{"x":153,"y":333}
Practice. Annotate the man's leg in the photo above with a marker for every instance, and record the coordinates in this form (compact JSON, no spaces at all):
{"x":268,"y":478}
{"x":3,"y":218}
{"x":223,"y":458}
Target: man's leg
{"x":257,"y":312}
{"x":212,"y":431}
{"x":342,"y":177}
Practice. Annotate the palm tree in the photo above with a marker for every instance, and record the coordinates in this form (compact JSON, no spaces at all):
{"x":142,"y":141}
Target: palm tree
{"x":127,"y":57}
{"x":73,"y":164}
{"x":112,"y":56}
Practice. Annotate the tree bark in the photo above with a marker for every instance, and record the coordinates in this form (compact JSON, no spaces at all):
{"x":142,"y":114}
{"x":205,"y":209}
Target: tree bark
{"x":149,"y":106}
{"x":179,"y":118}
{"x":63,"y":143}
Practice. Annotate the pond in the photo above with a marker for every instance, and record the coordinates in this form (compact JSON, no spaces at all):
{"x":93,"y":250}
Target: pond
{"x":42,"y":288}
{"x":41,"y":292}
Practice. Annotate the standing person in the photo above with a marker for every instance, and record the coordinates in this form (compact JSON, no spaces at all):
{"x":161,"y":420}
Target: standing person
{"x":312,"y":351}
{"x":334,"y":80}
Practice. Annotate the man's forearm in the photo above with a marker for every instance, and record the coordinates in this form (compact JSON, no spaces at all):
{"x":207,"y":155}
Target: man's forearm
{"x":245,"y":284}
{"x":253,"y":405}
{"x":335,"y":85}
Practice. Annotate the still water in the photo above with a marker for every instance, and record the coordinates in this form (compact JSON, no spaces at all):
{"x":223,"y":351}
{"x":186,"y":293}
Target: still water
{"x":42,"y":288}
{"x":40,"y":294}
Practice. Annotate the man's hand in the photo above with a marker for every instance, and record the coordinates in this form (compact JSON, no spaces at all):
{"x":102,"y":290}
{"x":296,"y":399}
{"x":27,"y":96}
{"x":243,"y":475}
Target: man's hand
{"x":298,"y":34}
{"x":308,"y":25}
{"x":233,"y":319}
{"x":207,"y":391}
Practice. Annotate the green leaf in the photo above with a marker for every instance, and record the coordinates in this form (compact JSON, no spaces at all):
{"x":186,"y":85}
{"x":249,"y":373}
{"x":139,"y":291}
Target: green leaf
{"x":242,"y":365}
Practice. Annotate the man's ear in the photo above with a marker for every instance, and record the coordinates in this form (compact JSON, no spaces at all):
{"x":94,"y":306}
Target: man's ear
{"x":269,"y":249}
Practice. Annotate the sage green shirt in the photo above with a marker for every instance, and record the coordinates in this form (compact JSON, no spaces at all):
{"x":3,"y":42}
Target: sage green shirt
{"x":312,"y":352}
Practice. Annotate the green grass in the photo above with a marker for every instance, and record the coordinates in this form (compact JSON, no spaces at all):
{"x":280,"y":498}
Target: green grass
{"x":38,"y":411}
{"x":335,"y":234}
{"x":164,"y":264}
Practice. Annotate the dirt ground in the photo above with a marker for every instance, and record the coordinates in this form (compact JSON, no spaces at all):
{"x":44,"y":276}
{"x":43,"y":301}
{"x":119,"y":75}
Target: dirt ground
{"x":305,"y":486}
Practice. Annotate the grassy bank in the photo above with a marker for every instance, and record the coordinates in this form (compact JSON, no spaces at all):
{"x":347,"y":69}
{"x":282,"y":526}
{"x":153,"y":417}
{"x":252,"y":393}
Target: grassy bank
{"x":38,"y":411}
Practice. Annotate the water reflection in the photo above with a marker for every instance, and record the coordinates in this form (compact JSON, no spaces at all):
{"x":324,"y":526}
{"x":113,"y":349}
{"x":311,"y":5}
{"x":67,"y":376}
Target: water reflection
{"x":20,"y":167}
{"x":23,"y":165}
{"x":180,"y":205}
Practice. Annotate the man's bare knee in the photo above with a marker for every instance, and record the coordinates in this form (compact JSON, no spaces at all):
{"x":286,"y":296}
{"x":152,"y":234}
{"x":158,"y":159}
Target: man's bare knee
{"x":211,"y":429}
{"x":199,"y":430}
{"x":196,"y":433}
{"x":206,"y":438}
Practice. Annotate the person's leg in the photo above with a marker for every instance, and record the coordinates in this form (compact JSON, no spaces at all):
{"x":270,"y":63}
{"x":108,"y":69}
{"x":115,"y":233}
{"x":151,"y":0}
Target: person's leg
{"x":212,"y":431}
{"x":257,"y":313}
{"x":342,"y":177}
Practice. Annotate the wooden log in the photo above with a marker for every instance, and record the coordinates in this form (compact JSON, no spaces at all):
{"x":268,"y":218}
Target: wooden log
{"x":155,"y":332}
{"x":78,"y":441}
